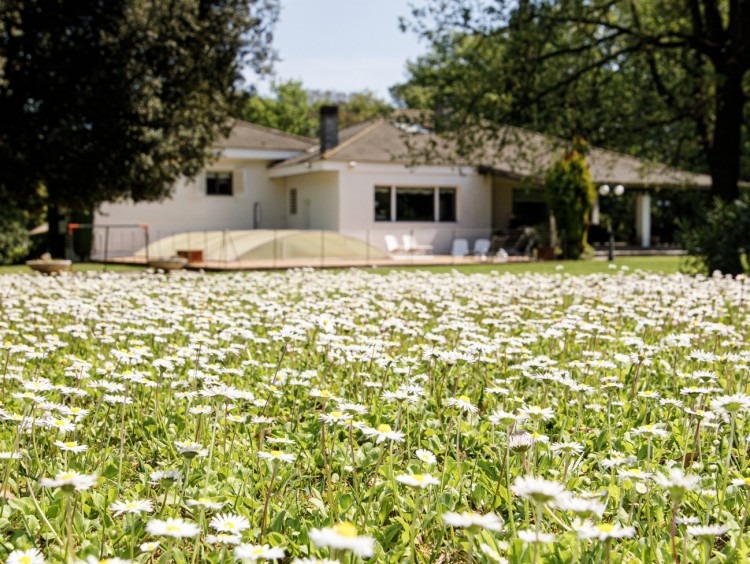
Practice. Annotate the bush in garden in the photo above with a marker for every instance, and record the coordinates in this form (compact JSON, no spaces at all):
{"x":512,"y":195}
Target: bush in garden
{"x":721,"y":239}
{"x":14,"y":236}
{"x":570,"y":197}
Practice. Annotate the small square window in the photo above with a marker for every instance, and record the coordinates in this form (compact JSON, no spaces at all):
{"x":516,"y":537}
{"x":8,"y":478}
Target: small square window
{"x":447,"y":204}
{"x":218,"y":183}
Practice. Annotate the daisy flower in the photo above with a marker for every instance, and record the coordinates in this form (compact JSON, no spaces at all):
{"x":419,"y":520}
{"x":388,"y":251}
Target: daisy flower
{"x":425,"y":456}
{"x":277,"y":455}
{"x":149,"y":546}
{"x":677,"y":483}
{"x":136,"y":506}
{"x":205,"y":503}
{"x":468,"y":520}
{"x":731,"y":404}
{"x":69,"y":481}
{"x":177,"y":528}
{"x":344,"y":536}
{"x":538,"y":489}
{"x":529,"y":537}
{"x":383,"y":432}
{"x":253,"y":552}
{"x":603,"y":531}
{"x":228,"y":523}
{"x":520,"y":442}
{"x":30,"y":556}
{"x":223,"y":538}
{"x":168,"y":477}
{"x":536,"y":413}
{"x":463,"y":403}
{"x":417,"y":480}
{"x":706,"y":531}
{"x":70,"y":446}
{"x":189,"y":449}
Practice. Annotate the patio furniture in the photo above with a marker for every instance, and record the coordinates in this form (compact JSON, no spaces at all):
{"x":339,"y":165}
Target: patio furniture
{"x":392,"y":245}
{"x":460,"y":247}
{"x":411,"y":246}
{"x":482,"y":248}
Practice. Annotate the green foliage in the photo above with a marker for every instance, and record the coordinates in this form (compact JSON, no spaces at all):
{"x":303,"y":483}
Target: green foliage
{"x":14,"y":236}
{"x":295,"y":110}
{"x":721,"y":239}
{"x":662,"y":81}
{"x":570,"y":196}
{"x":110,"y":100}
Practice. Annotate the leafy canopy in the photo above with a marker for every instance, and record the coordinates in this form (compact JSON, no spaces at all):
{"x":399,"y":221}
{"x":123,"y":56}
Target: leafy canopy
{"x":109,"y":100}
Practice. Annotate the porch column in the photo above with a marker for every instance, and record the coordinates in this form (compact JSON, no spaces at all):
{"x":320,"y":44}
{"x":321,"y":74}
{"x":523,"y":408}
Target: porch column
{"x":596,"y":213}
{"x":643,"y":218}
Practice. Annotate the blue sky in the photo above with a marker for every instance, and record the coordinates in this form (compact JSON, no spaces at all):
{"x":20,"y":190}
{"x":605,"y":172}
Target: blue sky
{"x":343,"y":45}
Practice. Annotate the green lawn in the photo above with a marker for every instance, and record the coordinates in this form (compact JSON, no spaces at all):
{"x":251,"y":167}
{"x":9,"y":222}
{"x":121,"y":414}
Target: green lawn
{"x":665,"y":264}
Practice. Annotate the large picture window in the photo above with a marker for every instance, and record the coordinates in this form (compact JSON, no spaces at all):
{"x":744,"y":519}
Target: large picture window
{"x":417,"y":204}
{"x":382,"y":203}
{"x":218,"y":183}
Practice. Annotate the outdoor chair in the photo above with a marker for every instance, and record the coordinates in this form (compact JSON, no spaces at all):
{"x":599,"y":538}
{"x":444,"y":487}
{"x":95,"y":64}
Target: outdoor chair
{"x":411,"y":246}
{"x":482,"y":248}
{"x":392,"y":245}
{"x":460,"y":248}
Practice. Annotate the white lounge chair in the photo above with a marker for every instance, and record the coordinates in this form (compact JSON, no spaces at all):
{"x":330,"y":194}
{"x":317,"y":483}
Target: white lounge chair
{"x":482,"y":248}
{"x":392,"y":245}
{"x":411,"y":246}
{"x":460,"y":248}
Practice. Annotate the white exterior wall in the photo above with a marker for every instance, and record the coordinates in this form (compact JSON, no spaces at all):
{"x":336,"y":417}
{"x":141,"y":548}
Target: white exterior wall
{"x":190,"y":209}
{"x":317,"y":201}
{"x":357,"y":203}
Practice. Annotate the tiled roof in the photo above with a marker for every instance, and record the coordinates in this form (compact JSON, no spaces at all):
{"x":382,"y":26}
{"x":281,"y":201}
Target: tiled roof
{"x":246,"y":135}
{"x":515,"y":153}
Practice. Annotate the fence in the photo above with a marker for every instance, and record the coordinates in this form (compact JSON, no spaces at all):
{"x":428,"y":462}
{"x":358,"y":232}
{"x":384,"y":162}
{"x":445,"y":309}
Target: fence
{"x":284,"y":247}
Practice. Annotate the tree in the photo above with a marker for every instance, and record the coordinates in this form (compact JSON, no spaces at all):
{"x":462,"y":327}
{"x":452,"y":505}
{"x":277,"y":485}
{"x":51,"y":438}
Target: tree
{"x":570,"y":197}
{"x":293,"y":109}
{"x":674,"y":68}
{"x":287,"y":110}
{"x":111,"y":100}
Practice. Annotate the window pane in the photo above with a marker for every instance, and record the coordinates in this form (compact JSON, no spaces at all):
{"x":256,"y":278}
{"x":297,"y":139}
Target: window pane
{"x":447,"y":204}
{"x":292,"y":201}
{"x":415,"y":204}
{"x":382,"y":203}
{"x":219,"y":183}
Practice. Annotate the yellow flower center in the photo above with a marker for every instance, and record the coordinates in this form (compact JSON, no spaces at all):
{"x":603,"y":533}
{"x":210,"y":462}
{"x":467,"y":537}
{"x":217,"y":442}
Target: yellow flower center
{"x":336,"y":414}
{"x":747,"y":481}
{"x":172,"y":528}
{"x":66,"y":476}
{"x":25,"y":559}
{"x":71,"y":444}
{"x":418,"y":477}
{"x":466,"y":399}
{"x":605,"y":527}
{"x":229,"y":525}
{"x":346,"y":529}
{"x":384,"y":428}
{"x":276,"y":453}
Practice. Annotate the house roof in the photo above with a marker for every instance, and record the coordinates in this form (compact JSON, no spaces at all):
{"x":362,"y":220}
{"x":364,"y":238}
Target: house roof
{"x":514,"y":153}
{"x":246,"y":135}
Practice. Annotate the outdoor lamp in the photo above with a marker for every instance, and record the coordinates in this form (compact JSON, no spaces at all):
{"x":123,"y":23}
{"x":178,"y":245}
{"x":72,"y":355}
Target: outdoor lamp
{"x":617,"y":191}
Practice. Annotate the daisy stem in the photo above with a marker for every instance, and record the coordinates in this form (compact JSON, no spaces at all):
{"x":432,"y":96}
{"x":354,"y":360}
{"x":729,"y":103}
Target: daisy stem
{"x":413,"y":528}
{"x":69,"y":509}
{"x":122,"y":442}
{"x":268,"y":498}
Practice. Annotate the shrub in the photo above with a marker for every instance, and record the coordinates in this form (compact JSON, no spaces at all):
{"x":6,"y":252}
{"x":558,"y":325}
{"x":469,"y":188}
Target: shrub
{"x":570,"y":196}
{"x":721,"y":239}
{"x":14,"y":235}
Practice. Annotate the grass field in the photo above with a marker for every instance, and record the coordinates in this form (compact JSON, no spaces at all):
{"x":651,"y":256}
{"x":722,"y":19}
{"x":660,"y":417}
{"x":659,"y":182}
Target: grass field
{"x":664,"y":264}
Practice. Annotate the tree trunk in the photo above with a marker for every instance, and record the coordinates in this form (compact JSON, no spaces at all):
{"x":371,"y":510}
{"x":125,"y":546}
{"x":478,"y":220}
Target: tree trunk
{"x":724,"y":156}
{"x":55,"y":239}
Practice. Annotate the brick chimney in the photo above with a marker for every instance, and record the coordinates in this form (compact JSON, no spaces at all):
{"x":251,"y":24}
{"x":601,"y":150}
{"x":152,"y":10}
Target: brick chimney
{"x":329,"y":128}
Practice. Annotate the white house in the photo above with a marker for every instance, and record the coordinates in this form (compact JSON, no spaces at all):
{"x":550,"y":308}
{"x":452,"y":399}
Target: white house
{"x":363,"y":181}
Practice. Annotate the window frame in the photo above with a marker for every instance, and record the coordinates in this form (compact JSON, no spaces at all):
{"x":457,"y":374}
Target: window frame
{"x":437,"y":211}
{"x":217,"y":174}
